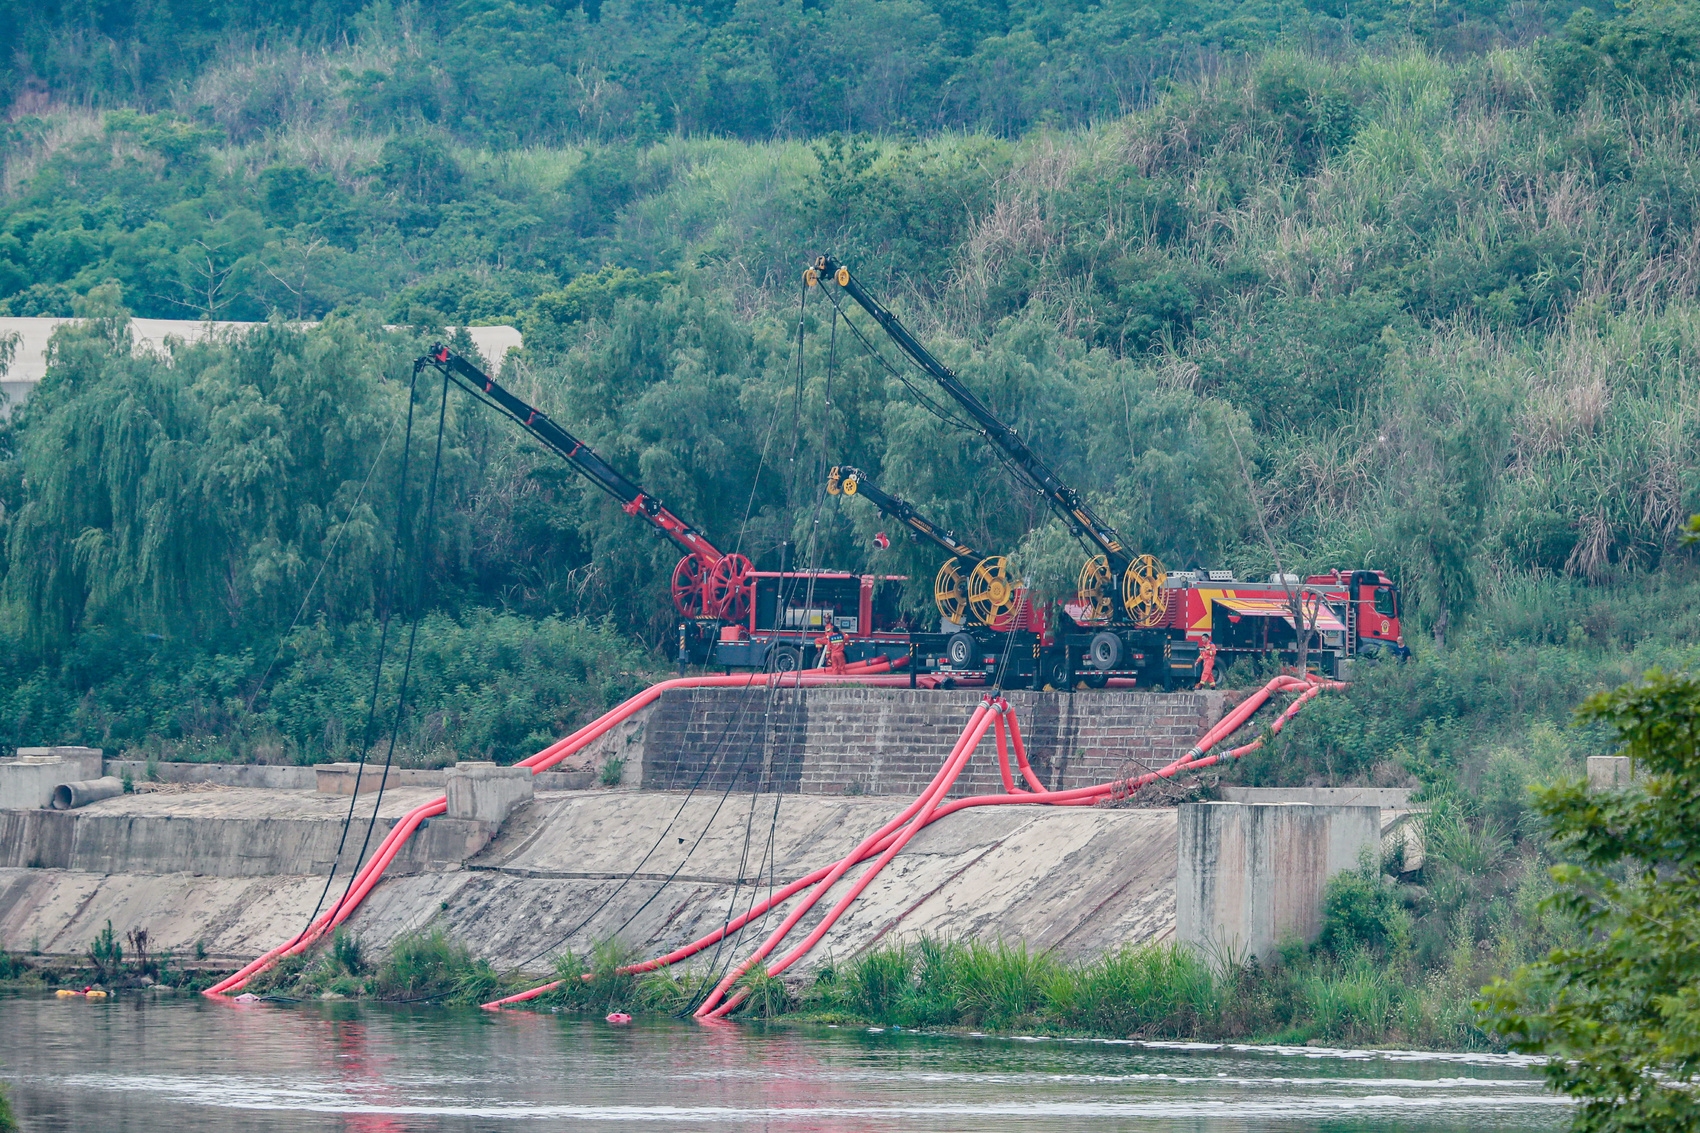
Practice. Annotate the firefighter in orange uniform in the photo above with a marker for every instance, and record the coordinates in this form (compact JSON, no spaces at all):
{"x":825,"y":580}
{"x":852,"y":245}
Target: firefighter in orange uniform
{"x":832,"y":641}
{"x":1207,"y":654}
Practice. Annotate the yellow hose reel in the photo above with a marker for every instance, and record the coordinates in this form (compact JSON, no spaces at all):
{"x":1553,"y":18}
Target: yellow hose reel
{"x":1094,"y":590}
{"x":950,"y":592}
{"x":1142,"y":591}
{"x":991,"y":591}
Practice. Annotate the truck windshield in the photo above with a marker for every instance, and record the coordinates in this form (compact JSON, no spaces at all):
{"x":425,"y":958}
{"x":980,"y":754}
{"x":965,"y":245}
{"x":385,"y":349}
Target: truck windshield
{"x":1385,"y":603}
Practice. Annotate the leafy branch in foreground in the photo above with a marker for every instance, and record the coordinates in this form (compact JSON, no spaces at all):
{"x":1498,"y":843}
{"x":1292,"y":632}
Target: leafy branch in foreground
{"x":1620,"y":1014}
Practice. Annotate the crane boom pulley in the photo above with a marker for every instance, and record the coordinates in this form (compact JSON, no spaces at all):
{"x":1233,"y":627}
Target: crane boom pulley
{"x":984,"y":595}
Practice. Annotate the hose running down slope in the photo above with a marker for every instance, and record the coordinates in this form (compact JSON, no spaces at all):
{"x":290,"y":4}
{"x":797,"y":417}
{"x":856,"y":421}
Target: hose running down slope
{"x":994,"y":713}
{"x":862,"y":673}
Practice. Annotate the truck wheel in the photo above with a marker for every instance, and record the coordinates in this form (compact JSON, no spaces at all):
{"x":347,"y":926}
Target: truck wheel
{"x":1096,"y":680}
{"x":1053,"y":672}
{"x":787,"y":659}
{"x":960,"y":650}
{"x":1105,"y":651}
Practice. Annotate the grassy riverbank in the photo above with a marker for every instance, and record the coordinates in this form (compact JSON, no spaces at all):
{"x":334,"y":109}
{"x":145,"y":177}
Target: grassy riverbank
{"x":1355,"y":995}
{"x":1366,"y":981}
{"x":1363,"y":983}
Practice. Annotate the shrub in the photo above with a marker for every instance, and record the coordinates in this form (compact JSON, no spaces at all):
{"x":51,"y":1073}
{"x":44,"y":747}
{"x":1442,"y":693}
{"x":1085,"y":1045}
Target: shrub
{"x":1360,"y":912}
{"x":607,"y":988}
{"x":429,"y":966}
{"x":107,"y":954}
{"x":347,"y":954}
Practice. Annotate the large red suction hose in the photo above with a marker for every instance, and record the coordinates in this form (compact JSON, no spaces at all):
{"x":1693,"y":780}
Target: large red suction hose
{"x":864,"y":672}
{"x":1193,"y":759}
{"x":937,"y":789}
{"x":884,"y":839}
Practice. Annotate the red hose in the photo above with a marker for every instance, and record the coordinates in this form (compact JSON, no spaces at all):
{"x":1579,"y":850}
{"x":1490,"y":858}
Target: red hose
{"x":862,"y":672}
{"x":931,"y":812}
{"x":1085,"y":796}
{"x":976,"y":728}
{"x":887,"y":841}
{"x":937,"y":789}
{"x":1021,"y":756}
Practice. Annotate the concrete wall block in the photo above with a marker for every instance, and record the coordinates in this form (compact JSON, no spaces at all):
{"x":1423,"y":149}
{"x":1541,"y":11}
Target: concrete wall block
{"x":894,"y":740}
{"x":342,"y":778}
{"x":484,"y":792}
{"x":27,"y":786}
{"x":1251,"y":875}
{"x":284,"y":777}
{"x":1387,"y":798}
{"x":1609,"y":772}
{"x":87,"y":759}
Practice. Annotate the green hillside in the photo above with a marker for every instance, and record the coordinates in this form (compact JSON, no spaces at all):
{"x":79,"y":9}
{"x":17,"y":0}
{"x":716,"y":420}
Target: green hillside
{"x":1429,"y":270}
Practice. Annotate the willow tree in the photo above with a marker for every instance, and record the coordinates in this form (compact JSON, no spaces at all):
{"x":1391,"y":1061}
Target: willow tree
{"x":197,"y":494}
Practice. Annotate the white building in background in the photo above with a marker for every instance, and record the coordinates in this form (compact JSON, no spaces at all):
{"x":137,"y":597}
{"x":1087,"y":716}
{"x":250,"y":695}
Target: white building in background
{"x":29,"y":359}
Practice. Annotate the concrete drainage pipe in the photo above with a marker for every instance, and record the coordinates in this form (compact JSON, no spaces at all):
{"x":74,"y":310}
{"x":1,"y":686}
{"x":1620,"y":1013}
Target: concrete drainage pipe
{"x":70,"y":796}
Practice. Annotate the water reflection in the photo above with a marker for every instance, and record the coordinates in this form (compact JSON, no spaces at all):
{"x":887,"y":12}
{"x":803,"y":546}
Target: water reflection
{"x":140,"y":1063}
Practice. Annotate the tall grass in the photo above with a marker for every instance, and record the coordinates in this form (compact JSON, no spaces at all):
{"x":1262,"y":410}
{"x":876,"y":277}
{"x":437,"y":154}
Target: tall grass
{"x":1153,"y":990}
{"x":1159,"y":991}
{"x":431,"y":967}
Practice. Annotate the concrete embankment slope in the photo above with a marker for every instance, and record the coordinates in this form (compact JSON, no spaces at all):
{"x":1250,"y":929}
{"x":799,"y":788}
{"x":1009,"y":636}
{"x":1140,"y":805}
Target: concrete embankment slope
{"x":234,"y":869}
{"x":1077,"y":880}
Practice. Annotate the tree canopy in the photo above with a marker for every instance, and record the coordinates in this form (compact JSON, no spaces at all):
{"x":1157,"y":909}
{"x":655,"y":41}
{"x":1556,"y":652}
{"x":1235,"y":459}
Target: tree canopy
{"x":1619,"y":1015}
{"x":1441,"y":301}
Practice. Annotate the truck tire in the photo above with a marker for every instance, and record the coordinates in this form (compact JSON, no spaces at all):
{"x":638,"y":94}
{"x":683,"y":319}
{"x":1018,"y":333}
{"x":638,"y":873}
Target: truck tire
{"x":1054,"y":671}
{"x":787,"y":659}
{"x":961,"y":650}
{"x":1105,"y":651}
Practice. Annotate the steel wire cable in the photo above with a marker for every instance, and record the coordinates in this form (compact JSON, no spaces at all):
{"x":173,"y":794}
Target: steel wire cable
{"x":378,"y":668}
{"x":324,"y":562}
{"x":725,"y":730}
{"x":1016,"y":471}
{"x":423,"y":554}
{"x":813,"y":560}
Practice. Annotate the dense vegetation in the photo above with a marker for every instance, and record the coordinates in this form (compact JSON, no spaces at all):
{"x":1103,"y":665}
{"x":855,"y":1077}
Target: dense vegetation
{"x":1435,"y":288}
{"x":1616,"y":1011}
{"x":1354,"y":988}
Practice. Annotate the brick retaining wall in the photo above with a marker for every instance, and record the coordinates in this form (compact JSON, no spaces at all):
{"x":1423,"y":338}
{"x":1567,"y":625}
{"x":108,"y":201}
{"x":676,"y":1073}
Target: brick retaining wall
{"x":883,"y":741}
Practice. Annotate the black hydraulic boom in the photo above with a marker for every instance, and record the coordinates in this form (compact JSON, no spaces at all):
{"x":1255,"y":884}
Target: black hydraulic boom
{"x":854,"y":482}
{"x":1082,"y":521}
{"x":706,"y":581}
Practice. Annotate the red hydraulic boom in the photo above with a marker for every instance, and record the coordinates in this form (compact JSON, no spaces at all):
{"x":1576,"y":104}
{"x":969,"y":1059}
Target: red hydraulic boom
{"x":706,"y":582}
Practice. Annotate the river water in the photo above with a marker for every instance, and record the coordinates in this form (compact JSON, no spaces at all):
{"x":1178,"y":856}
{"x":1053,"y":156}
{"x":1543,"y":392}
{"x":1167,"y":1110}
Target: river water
{"x":152,"y":1062}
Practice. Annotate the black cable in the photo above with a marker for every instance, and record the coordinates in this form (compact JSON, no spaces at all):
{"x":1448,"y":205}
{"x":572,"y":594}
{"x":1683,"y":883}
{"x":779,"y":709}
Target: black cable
{"x":708,"y":765}
{"x":743,"y":862}
{"x":378,"y":668}
{"x":921,"y":395}
{"x":423,"y":554}
{"x":731,"y":781}
{"x":1016,"y":471}
{"x":737,"y":719}
{"x":813,"y":558}
{"x":478,"y":395}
